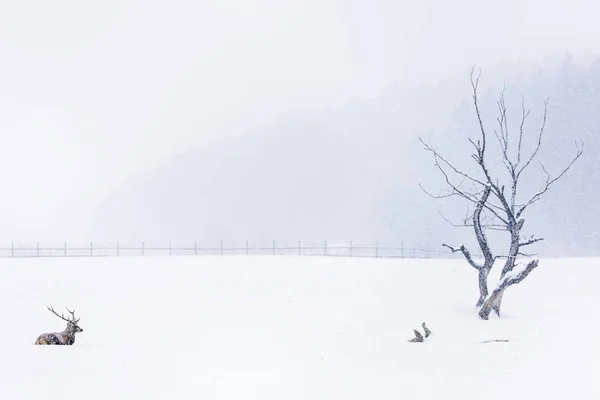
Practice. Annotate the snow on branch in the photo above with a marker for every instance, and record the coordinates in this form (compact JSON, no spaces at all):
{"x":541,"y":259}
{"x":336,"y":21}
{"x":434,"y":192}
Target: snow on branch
{"x":515,"y":276}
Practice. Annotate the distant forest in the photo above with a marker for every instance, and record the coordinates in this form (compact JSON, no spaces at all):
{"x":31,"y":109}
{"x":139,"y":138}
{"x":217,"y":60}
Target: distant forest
{"x":353,"y":173}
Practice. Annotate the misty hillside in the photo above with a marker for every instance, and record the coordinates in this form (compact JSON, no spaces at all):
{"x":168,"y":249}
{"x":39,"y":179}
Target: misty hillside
{"x":352,"y":173}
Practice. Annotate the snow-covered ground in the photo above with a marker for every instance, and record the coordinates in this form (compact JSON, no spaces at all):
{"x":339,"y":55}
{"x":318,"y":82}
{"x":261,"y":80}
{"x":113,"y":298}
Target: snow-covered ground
{"x":268,"y":327}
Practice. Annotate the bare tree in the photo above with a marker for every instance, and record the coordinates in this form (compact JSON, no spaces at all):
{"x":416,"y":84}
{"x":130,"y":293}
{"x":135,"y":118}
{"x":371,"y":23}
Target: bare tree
{"x":496,"y":198}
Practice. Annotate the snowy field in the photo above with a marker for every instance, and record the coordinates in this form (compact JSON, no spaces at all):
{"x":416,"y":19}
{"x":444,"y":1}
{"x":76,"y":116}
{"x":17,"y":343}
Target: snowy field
{"x":267,"y":327}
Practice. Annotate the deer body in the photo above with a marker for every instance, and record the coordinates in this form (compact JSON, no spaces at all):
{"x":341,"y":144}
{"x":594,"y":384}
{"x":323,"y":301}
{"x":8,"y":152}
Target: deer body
{"x":64,"y":338}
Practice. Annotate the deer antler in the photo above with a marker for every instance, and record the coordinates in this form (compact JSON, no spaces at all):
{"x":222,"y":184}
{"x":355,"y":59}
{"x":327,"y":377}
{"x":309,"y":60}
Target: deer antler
{"x":61,"y":316}
{"x":72,"y":314}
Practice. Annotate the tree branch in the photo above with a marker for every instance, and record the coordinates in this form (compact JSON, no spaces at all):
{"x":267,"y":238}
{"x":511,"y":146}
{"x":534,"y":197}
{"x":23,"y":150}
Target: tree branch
{"x":479,"y":234}
{"x":466,"y":253}
{"x":517,"y":276}
{"x":503,"y":137}
{"x":456,"y":189}
{"x":475,"y":86}
{"x":539,"y":142}
{"x":550,"y":181}
{"x":524,"y":115}
{"x":450,"y":165}
{"x":480,"y":147}
{"x":530,"y":242}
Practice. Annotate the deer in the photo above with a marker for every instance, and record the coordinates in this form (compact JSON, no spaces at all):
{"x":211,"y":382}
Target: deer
{"x":66,"y":337}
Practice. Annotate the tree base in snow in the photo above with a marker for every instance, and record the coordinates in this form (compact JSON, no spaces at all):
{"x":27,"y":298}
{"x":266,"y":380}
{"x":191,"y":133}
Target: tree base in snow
{"x":513,"y":277}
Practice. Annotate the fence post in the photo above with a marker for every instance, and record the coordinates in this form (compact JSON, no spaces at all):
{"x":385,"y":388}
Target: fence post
{"x":221,"y":247}
{"x":402,"y":249}
{"x":118,"y":249}
{"x":170,"y":248}
{"x":246,"y":247}
{"x":65,"y":249}
{"x":91,"y":249}
{"x":325,"y":248}
{"x":428,"y":251}
{"x":195,"y":248}
{"x":299,"y":248}
{"x":143,"y":248}
{"x":376,"y":249}
{"x":273,"y":247}
{"x":12,"y":249}
{"x":38,"y":249}
{"x":351,"y":248}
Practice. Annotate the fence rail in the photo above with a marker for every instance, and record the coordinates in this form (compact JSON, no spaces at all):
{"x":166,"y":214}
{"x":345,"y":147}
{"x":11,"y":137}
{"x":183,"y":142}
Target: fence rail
{"x":340,"y":249}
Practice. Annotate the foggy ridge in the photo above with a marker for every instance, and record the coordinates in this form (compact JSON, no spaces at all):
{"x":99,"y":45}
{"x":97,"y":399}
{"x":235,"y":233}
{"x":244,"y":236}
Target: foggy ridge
{"x":352,"y":172}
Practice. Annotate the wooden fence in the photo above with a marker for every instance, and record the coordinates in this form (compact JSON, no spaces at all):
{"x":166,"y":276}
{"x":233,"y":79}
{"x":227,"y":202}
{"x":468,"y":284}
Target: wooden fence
{"x":340,"y":249}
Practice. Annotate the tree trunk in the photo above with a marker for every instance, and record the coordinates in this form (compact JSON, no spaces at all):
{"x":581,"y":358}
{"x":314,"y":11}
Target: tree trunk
{"x":489,"y":259}
{"x":514,"y":277}
{"x":513,"y":253}
{"x":492,"y":303}
{"x":483,"y":288}
{"x":498,"y":303}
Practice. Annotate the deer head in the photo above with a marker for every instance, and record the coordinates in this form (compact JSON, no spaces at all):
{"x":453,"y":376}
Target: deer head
{"x":72,"y":322}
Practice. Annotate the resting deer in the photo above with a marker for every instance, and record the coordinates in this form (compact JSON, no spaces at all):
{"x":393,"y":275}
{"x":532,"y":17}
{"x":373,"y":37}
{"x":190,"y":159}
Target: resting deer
{"x":66,"y":337}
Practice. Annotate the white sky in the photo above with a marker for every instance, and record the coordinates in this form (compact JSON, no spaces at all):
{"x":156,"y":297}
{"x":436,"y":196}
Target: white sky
{"x":92,"y":93}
